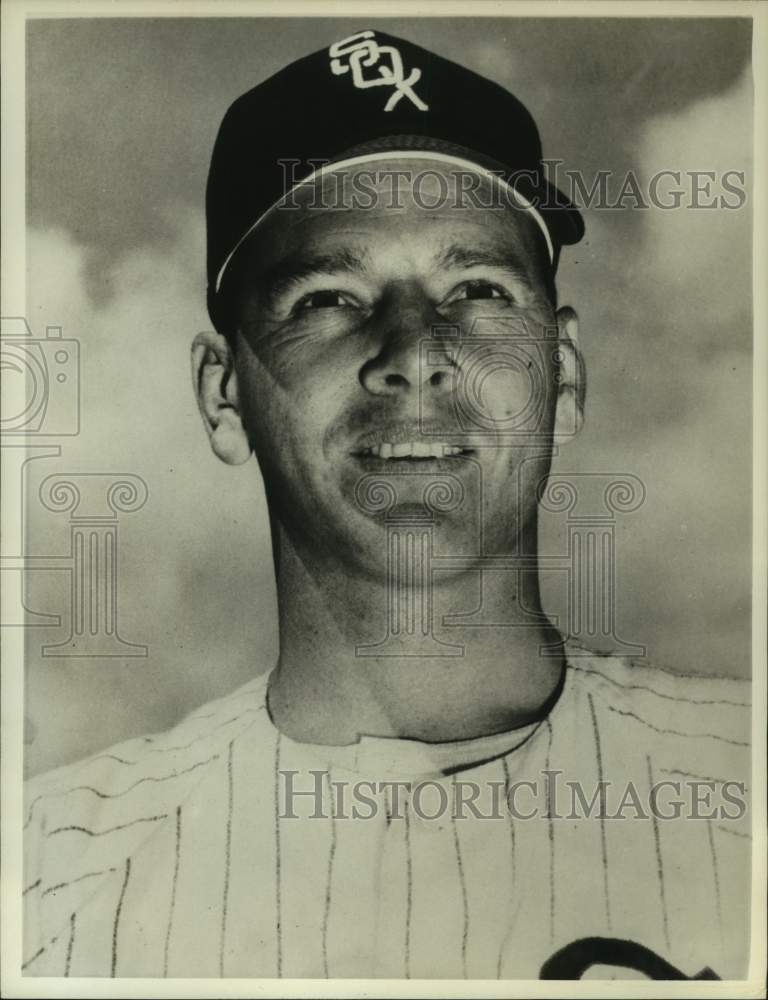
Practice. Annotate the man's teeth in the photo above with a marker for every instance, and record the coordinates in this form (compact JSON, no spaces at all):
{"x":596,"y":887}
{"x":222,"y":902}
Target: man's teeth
{"x":413,"y":449}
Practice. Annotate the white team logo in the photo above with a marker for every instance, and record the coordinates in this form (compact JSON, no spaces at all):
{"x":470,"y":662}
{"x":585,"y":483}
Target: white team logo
{"x":362,"y":51}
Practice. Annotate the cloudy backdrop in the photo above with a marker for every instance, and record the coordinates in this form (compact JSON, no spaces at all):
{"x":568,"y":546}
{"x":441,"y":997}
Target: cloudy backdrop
{"x":122,"y":115}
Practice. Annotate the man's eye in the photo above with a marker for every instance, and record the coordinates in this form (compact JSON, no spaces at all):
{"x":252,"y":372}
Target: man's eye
{"x":326,"y":299}
{"x":481,"y":290}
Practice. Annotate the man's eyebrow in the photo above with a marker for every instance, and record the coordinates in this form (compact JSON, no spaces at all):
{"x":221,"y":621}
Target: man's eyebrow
{"x":460,"y":255}
{"x":307,"y":264}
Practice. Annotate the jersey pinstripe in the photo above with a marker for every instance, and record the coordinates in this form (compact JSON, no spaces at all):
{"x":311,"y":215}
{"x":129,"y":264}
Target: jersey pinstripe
{"x":168,"y":855}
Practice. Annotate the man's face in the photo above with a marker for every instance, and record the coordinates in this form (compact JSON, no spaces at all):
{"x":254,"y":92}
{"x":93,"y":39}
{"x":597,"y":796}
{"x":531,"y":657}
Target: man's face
{"x":382,"y":351}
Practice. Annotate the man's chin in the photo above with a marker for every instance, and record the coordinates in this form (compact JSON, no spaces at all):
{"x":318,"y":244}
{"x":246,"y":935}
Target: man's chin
{"x":386,"y":542}
{"x":422,"y":489}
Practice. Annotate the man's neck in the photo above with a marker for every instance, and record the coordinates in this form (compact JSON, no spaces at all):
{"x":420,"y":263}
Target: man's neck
{"x":354,"y":661}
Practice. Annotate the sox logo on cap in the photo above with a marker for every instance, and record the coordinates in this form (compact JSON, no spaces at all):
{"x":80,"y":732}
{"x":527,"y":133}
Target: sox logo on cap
{"x":362,"y":50}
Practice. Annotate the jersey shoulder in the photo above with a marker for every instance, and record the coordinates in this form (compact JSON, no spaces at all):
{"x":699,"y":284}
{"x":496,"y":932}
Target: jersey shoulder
{"x":143,"y":759}
{"x":701,"y":723}
{"x":623,"y":678}
{"x":83,"y":820}
{"x":716,"y":706}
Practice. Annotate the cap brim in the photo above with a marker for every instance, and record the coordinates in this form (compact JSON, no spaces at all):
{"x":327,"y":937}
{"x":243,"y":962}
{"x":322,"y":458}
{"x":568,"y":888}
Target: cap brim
{"x":559,"y":222}
{"x":564,"y":219}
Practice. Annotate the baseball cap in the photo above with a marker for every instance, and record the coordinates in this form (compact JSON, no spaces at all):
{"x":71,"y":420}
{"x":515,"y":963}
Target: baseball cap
{"x":369,"y":96}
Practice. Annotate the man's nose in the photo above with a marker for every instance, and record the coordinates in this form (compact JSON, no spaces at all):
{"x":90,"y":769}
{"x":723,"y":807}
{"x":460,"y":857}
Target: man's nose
{"x":412,"y":353}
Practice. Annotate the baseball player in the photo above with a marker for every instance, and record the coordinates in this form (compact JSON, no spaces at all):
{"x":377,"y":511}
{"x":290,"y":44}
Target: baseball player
{"x":412,"y":791}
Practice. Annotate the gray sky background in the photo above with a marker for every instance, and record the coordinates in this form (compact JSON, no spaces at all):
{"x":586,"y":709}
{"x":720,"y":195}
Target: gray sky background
{"x":122,"y":115}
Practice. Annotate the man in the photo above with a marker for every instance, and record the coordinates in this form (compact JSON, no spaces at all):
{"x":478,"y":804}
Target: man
{"x":382,"y":250}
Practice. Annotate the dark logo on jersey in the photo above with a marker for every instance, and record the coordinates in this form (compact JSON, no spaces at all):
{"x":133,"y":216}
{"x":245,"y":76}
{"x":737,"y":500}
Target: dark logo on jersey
{"x":572,"y":961}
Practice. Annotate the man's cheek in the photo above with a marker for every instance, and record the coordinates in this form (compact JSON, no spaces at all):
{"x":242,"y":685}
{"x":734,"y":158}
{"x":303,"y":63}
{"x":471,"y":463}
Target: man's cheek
{"x":286,"y":422}
{"x":266,"y":411}
{"x":509,"y":396}
{"x":292,"y":349}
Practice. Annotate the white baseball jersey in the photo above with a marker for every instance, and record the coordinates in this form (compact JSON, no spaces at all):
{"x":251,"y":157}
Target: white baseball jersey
{"x":224,"y":848}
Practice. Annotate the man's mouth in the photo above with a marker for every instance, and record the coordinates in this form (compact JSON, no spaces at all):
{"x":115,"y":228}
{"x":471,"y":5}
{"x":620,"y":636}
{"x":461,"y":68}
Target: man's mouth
{"x":411,"y":442}
{"x":414,"y":451}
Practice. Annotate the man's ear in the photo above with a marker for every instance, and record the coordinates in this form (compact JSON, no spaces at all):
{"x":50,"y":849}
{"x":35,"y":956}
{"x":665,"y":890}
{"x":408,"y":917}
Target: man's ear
{"x":570,"y":377}
{"x":215,"y":383}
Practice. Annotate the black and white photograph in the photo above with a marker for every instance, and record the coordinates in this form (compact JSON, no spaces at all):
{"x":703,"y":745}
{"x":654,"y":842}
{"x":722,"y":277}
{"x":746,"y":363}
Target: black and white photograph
{"x":383,"y":566}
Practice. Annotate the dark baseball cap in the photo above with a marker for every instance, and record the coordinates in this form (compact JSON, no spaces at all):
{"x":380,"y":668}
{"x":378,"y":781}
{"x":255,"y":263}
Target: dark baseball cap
{"x":367,"y":96}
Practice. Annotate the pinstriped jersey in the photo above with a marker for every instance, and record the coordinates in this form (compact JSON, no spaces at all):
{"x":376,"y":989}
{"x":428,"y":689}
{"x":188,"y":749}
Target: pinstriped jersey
{"x":224,"y":848}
